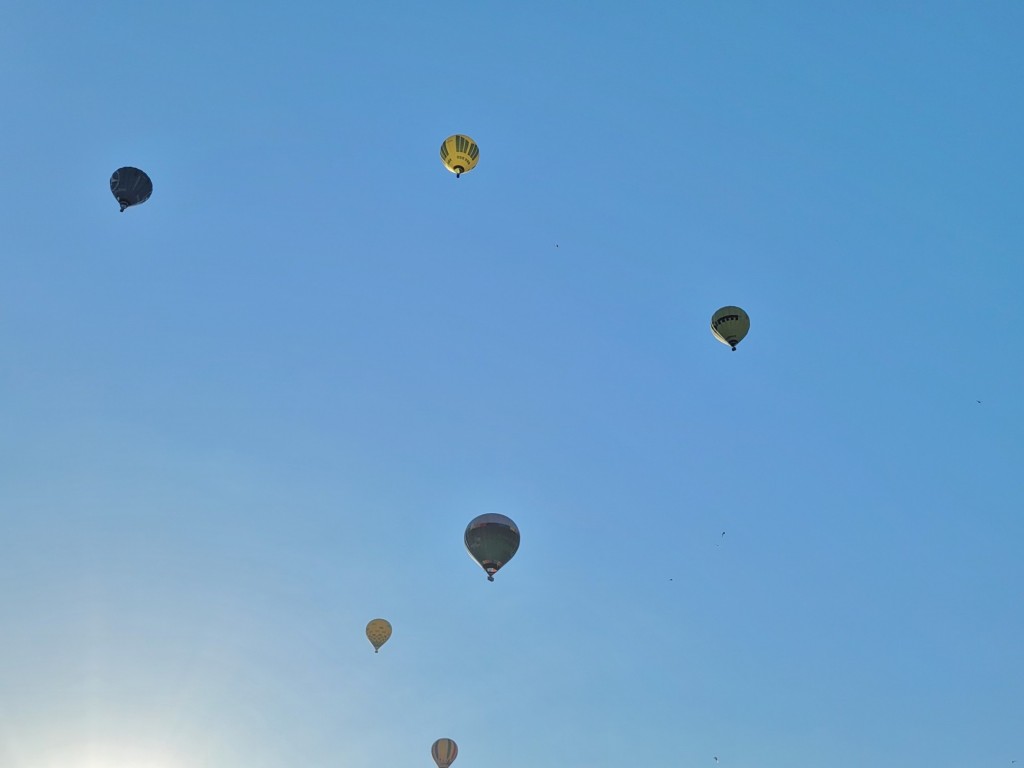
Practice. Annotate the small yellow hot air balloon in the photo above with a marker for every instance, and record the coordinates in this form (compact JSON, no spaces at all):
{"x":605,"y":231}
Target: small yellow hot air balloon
{"x":459,"y":154}
{"x":377,"y":632}
{"x":730,"y":325}
{"x":444,"y":752}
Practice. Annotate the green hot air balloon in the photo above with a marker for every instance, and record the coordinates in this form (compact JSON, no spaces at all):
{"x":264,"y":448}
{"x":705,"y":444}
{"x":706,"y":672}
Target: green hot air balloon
{"x":492,"y":540}
{"x":730,"y":325}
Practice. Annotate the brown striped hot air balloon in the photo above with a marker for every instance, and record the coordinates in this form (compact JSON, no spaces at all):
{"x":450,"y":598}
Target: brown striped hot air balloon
{"x":377,"y":632}
{"x":444,"y":752}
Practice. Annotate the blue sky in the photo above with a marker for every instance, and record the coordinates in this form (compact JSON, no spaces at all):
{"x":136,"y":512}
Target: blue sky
{"x":247,"y":417}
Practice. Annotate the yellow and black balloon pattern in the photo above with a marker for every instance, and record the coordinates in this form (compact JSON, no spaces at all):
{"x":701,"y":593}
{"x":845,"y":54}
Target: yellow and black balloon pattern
{"x":459,"y":154}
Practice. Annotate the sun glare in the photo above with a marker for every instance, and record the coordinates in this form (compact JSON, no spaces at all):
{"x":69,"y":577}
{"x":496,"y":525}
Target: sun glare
{"x":111,"y":758}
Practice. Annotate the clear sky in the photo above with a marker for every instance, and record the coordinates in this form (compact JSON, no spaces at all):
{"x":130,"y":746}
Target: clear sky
{"x":245,"y":418}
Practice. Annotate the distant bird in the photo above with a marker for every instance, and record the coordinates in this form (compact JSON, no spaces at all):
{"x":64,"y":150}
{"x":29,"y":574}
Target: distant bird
{"x":979,"y":401}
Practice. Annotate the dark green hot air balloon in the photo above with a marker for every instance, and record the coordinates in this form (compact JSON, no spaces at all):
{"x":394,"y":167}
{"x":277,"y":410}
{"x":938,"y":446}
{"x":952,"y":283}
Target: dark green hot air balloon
{"x":492,"y":540}
{"x":130,"y":186}
{"x":730,"y":326}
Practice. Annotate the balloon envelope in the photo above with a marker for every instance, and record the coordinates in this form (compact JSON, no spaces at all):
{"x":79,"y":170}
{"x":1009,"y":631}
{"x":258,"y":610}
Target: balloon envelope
{"x":130,"y":186}
{"x":459,"y":154}
{"x":730,"y":325}
{"x":492,"y":540}
{"x":377,"y":632}
{"x":444,"y":752}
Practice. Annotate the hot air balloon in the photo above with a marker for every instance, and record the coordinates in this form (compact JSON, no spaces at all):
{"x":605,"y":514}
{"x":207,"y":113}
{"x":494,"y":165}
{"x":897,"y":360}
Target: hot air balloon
{"x":459,"y":154}
{"x":730,"y":325}
{"x":377,"y":632}
{"x":130,"y":186}
{"x":491,"y":541}
{"x":444,"y":752}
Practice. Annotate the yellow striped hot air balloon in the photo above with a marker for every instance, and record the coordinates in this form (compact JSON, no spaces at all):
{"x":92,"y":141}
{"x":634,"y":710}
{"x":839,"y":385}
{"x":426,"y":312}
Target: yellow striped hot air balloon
{"x":444,"y":752}
{"x":459,"y":154}
{"x":377,"y":632}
